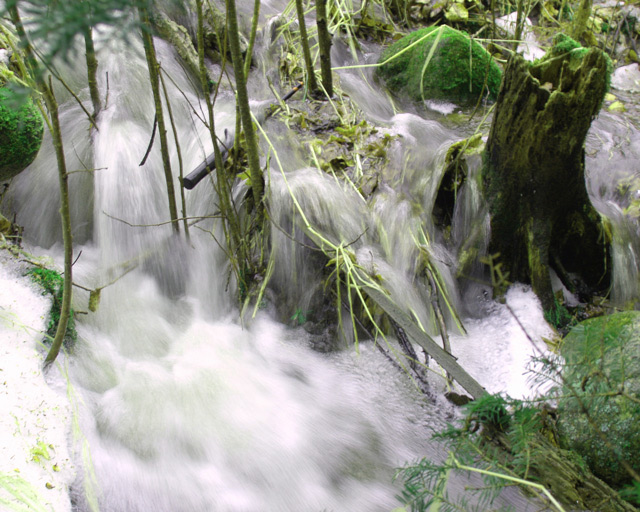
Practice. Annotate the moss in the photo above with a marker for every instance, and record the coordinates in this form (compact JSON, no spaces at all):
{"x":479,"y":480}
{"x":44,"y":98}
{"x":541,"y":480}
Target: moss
{"x":21,"y":129}
{"x":533,"y":173}
{"x":603,"y":357}
{"x":454,"y":72}
{"x":562,"y":44}
{"x":52,"y":283}
{"x":556,"y":57}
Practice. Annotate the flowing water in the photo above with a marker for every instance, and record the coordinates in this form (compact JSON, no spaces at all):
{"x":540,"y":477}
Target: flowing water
{"x":187,"y":409}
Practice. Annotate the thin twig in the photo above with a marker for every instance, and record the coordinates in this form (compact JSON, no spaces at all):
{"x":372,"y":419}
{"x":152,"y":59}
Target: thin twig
{"x":88,"y":170}
{"x":90,"y":116}
{"x":153,"y":136}
{"x":201,"y":217}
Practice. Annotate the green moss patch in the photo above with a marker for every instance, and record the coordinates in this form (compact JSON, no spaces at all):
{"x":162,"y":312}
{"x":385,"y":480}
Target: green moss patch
{"x":459,"y":70}
{"x":21,"y":128}
{"x":52,"y":283}
{"x":564,"y":52}
{"x":603,"y":368}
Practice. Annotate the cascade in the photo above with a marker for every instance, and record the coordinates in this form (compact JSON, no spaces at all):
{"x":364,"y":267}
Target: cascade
{"x":185,"y":407}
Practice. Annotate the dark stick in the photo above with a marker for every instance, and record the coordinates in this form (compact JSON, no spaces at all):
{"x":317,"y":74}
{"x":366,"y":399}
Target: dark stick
{"x":153,"y":136}
{"x":197,"y":175}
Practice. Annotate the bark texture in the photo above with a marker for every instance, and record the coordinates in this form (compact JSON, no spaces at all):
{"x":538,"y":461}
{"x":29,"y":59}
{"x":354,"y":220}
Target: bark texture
{"x":154,"y":70}
{"x":533,"y":173}
{"x":324,"y":42}
{"x":92,"y":72}
{"x":304,"y":41}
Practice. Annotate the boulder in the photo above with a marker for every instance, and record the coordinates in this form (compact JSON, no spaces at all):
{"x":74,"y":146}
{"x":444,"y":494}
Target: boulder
{"x":459,"y":70}
{"x":602,"y":358}
{"x":21,"y":128}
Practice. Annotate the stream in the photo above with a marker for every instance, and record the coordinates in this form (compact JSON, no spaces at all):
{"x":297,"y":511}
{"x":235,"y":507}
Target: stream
{"x":187,"y":408}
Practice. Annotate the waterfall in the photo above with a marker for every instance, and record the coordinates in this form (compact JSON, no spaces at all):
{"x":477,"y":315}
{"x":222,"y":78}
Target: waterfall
{"x":185,"y":408}
{"x":613,"y":150}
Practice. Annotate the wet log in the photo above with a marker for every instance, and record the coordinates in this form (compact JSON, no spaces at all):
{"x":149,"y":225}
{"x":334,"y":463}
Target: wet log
{"x":533,"y":172}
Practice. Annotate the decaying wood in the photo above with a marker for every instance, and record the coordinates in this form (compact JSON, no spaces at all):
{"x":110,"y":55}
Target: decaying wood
{"x":534,"y":173}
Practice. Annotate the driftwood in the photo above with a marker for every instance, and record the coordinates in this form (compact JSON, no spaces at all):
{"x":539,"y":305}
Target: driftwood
{"x":533,"y":172}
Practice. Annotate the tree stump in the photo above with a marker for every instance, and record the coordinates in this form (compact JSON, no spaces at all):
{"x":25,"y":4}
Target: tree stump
{"x":533,"y":172}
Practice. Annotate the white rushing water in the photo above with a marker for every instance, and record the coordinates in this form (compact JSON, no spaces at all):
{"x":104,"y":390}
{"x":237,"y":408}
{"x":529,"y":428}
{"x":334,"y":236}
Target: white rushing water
{"x":185,"y":409}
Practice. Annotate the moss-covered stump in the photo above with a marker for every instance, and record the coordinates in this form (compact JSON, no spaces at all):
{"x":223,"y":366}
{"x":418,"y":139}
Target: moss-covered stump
{"x":454,"y":72}
{"x":21,"y":129}
{"x":603,"y":395}
{"x":533,"y":172}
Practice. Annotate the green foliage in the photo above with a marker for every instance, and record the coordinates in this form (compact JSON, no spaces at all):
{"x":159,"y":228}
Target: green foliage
{"x":490,"y":412}
{"x":631,"y":493}
{"x":558,"y":315}
{"x":425,"y":486}
{"x":601,"y":395}
{"x":299,"y":316}
{"x":469,"y":442}
{"x":459,"y":69}
{"x":54,"y":25}
{"x":509,"y":441}
{"x":52,"y":283}
{"x":21,"y":129}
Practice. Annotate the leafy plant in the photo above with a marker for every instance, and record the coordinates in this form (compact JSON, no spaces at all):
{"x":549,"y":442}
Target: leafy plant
{"x":54,"y":26}
{"x":299,"y":316}
{"x":558,"y":316}
{"x":473,"y":448}
{"x":631,"y":493}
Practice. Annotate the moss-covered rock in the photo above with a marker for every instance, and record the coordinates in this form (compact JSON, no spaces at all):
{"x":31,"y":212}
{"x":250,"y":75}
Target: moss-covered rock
{"x":454,"y":73}
{"x":21,"y":128}
{"x":603,"y":367}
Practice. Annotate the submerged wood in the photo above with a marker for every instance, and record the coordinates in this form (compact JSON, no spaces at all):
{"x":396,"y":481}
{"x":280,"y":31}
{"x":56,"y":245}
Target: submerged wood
{"x":533,"y":172}
{"x":417,"y":335}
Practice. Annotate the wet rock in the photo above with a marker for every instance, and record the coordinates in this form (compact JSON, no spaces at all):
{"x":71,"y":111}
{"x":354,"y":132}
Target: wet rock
{"x":627,"y":78}
{"x":602,"y":389}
